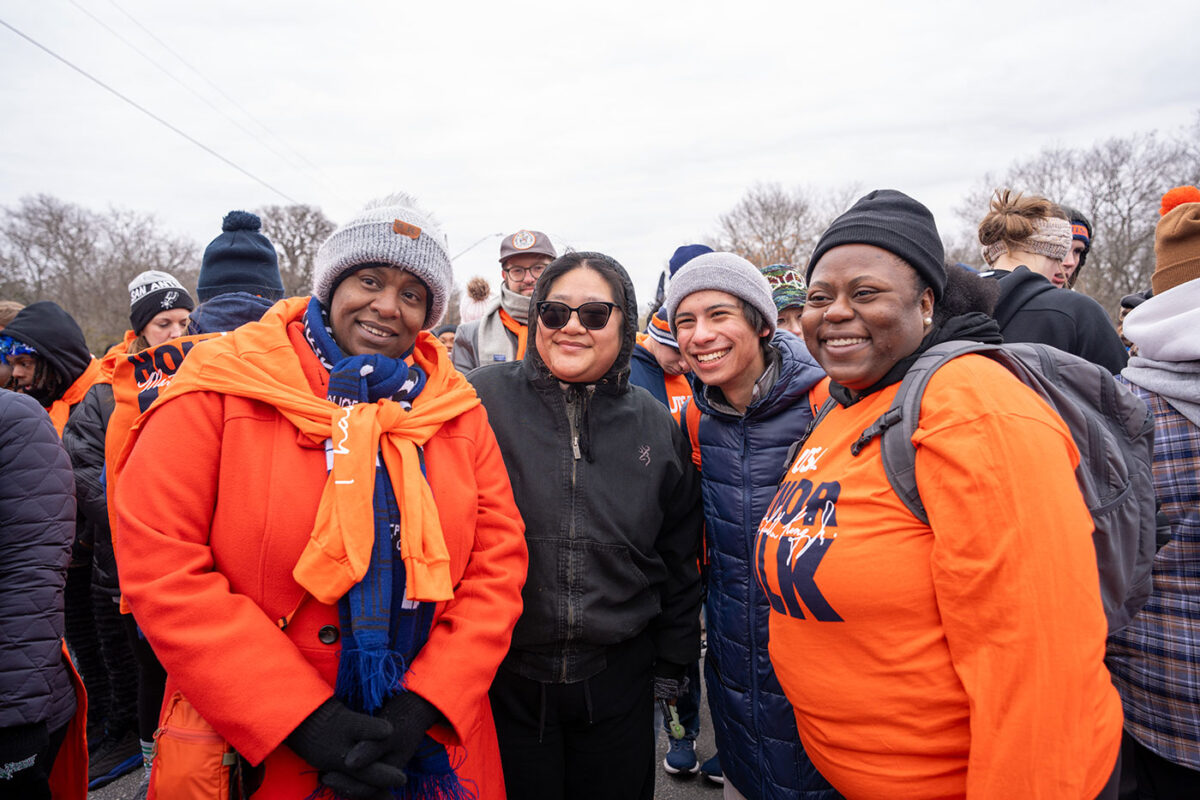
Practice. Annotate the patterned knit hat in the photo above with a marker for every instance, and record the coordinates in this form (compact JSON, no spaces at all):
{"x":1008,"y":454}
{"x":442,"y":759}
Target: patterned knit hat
{"x":1051,"y":237}
{"x":393,"y":231}
{"x":660,"y":330}
{"x":1177,"y":239}
{"x":788,"y":288}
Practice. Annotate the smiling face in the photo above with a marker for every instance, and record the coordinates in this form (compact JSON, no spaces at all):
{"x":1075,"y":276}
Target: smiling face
{"x":863,"y":314}
{"x":166,"y":325}
{"x":573,"y":353}
{"x":378,"y":309}
{"x":521,"y":271}
{"x":720,"y":345}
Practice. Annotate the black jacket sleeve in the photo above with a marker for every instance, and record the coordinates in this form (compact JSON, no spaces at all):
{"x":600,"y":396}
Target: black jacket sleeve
{"x":83,"y":437}
{"x":677,"y":629}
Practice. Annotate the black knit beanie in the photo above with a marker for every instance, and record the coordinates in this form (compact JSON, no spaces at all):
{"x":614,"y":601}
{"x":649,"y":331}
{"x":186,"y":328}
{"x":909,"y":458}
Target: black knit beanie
{"x":892,"y":221}
{"x":152,"y":292}
{"x":240,"y":260}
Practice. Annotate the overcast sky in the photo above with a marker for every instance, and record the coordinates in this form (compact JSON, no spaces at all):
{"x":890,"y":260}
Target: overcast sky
{"x":615,"y":126}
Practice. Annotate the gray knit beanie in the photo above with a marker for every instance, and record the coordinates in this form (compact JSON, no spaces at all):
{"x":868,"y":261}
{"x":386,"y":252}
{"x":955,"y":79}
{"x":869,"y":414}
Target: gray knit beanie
{"x":724,"y":272}
{"x":394,"y":231}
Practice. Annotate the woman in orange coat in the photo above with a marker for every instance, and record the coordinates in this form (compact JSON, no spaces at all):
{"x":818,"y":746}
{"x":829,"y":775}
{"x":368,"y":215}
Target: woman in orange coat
{"x":332,"y":574}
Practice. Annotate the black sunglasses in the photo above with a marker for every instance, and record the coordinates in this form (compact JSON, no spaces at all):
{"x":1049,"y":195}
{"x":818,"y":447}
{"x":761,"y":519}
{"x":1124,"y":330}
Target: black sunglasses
{"x":593,"y":316}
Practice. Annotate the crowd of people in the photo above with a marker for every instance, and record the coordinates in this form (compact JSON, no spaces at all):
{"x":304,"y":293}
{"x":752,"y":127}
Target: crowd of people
{"x":325,"y":547}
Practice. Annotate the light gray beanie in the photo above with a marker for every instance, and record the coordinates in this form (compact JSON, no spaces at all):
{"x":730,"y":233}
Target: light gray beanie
{"x":724,"y":272}
{"x":395,"y":231}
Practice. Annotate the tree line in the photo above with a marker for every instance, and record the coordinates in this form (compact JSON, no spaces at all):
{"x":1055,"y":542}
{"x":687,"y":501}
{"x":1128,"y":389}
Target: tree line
{"x":1117,"y":183}
{"x":83,"y":259}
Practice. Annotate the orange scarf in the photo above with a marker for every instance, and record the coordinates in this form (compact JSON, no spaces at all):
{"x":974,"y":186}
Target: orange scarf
{"x":258,"y":362}
{"x":518,"y":330}
{"x":60,"y":409}
{"x":108,"y":362}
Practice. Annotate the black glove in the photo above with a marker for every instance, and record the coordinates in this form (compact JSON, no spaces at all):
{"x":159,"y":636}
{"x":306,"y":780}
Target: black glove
{"x":670,"y":680}
{"x":327,"y":736}
{"x":410,"y":716}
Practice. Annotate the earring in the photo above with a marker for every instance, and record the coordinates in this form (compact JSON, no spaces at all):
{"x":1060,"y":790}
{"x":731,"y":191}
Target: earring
{"x":928,"y":321}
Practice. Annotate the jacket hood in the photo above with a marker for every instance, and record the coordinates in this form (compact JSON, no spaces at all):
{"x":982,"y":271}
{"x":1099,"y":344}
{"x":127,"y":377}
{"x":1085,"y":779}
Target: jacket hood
{"x":798,"y":373}
{"x":227,"y":311}
{"x":616,"y":380}
{"x":56,"y":336}
{"x":1016,"y":289}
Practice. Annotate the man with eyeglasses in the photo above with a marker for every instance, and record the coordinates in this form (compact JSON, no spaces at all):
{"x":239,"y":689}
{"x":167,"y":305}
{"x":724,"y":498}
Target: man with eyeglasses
{"x":500,"y":334}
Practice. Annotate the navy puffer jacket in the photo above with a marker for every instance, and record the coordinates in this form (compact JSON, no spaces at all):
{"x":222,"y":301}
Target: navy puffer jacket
{"x":37,"y":526}
{"x":742,"y":459}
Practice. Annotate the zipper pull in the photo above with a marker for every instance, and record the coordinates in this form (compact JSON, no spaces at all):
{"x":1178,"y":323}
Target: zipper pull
{"x":575,"y":446}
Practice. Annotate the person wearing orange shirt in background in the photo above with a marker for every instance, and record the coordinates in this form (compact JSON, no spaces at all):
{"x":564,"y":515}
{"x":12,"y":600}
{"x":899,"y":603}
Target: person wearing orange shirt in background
{"x":332,"y":573}
{"x":128,"y":692}
{"x":963,"y":658}
{"x":500,"y":334}
{"x":657,"y":366}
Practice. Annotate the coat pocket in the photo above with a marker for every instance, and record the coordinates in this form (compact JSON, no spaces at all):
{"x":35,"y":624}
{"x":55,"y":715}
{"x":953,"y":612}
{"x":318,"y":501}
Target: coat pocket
{"x":191,"y":760}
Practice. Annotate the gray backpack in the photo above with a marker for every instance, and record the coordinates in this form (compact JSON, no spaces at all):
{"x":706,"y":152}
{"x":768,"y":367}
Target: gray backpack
{"x":1112,"y":428}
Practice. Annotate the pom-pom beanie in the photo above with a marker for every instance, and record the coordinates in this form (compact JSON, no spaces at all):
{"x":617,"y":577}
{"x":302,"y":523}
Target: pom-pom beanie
{"x":240,"y":260}
{"x":1177,"y":240}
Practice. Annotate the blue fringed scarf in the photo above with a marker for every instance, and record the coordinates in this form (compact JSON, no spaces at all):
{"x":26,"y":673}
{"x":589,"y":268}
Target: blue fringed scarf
{"x":381,"y":630}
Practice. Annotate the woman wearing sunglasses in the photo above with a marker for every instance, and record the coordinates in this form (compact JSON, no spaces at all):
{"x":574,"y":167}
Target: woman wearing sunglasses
{"x":603,"y":478}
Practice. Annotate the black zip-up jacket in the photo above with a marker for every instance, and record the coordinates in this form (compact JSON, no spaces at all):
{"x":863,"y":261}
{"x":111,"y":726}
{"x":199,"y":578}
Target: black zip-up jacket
{"x":603,"y":478}
{"x":1032,"y":309}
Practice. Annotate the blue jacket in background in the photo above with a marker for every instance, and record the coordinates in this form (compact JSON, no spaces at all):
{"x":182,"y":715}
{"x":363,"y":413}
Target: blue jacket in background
{"x":742,"y":459}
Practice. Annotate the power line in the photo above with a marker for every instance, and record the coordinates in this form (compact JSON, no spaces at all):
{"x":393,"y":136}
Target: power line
{"x":175,"y":78}
{"x":316,"y":169}
{"x":148,"y":112}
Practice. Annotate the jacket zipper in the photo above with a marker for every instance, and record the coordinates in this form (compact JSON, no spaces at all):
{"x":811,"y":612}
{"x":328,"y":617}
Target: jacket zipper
{"x":574,"y":410}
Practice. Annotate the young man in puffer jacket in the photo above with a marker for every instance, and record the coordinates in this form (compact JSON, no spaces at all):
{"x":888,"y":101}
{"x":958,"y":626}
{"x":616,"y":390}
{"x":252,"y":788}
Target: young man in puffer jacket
{"x":753,"y":388}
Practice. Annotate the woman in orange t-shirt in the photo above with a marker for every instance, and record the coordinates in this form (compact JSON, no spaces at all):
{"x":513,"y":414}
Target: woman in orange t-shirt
{"x":959,"y":658}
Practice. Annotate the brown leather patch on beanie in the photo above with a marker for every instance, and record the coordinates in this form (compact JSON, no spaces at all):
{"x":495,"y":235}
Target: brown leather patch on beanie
{"x":404,"y":229}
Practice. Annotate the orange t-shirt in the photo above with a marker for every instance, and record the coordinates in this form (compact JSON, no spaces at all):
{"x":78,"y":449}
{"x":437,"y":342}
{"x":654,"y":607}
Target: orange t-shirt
{"x":962,"y":658}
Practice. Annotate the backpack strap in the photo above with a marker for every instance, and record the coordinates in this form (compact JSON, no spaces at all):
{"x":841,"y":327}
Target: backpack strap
{"x":798,"y":445}
{"x":689,"y":422}
{"x":896,"y":426}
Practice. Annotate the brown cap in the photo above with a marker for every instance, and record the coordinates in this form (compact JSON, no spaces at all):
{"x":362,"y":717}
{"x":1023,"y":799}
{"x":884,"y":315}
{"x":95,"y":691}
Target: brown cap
{"x":1177,"y":243}
{"x":523,"y":242}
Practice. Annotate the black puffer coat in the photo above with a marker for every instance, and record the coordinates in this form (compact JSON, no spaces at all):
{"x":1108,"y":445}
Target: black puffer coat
{"x":37,"y":525}
{"x":603,"y":477}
